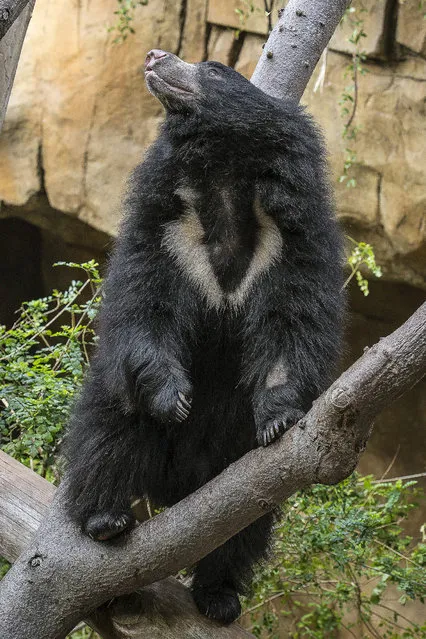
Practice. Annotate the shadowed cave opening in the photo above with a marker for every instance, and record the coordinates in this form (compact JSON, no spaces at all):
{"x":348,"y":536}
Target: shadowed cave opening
{"x":32,"y":239}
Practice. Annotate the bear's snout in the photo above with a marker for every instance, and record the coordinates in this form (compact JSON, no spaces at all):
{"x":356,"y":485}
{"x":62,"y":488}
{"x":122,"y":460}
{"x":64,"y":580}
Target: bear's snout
{"x":152,"y":56}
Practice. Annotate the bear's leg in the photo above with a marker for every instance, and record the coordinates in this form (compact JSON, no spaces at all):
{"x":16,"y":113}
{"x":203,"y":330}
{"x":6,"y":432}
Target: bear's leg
{"x":104,"y":455}
{"x":228,"y":570}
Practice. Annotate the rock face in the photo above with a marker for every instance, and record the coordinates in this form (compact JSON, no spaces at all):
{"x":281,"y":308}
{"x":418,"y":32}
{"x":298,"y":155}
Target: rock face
{"x":80,"y":116}
{"x":387,"y":207}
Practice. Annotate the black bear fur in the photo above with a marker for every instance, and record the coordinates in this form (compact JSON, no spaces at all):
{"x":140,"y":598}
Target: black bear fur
{"x":221,"y":321}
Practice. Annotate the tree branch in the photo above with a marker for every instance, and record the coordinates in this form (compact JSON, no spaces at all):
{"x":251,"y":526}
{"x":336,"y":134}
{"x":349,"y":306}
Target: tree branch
{"x":9,"y":12}
{"x":13,"y":27}
{"x":64,"y":574}
{"x":295,"y":45}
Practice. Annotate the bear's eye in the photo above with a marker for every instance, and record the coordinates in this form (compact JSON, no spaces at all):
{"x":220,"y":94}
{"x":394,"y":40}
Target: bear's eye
{"x":213,"y":73}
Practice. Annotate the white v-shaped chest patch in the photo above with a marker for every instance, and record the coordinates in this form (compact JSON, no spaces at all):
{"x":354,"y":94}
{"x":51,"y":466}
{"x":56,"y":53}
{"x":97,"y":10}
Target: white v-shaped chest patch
{"x":184,"y":240}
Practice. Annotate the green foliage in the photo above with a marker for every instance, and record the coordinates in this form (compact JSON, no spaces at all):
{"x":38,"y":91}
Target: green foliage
{"x":244,"y":12}
{"x":354,"y":16}
{"x":42,"y":361}
{"x":125,"y":16}
{"x":362,"y":255}
{"x":83,"y":632}
{"x":350,"y":160}
{"x":339,"y":550}
{"x":4,"y":567}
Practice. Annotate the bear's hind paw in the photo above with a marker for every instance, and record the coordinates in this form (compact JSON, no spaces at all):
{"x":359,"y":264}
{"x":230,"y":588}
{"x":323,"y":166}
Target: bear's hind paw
{"x":104,"y":526}
{"x":217,"y":602}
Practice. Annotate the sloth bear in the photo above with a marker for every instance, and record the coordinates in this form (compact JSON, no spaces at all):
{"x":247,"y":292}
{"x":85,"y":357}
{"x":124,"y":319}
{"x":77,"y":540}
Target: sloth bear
{"x":221,"y":319}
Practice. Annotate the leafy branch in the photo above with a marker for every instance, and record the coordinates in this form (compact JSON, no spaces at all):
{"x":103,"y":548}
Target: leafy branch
{"x":339,"y":550}
{"x":125,"y":16}
{"x":43,"y":357}
{"x":362,"y":255}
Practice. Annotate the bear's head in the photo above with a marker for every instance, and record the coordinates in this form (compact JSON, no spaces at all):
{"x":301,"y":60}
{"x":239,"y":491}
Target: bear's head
{"x":211,"y":90}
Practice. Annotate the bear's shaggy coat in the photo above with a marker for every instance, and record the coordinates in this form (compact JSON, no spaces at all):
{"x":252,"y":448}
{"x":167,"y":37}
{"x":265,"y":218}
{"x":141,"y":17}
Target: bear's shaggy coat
{"x":221,"y":321}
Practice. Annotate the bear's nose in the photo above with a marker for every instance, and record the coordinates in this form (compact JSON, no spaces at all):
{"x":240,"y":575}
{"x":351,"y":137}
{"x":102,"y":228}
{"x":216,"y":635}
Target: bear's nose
{"x":152,"y":56}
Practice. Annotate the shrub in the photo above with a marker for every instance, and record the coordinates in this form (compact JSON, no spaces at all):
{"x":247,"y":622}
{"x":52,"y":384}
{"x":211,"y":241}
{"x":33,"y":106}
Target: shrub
{"x":339,"y":550}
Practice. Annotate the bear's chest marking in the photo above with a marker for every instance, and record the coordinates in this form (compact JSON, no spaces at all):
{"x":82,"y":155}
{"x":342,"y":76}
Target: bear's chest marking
{"x":198,"y":258}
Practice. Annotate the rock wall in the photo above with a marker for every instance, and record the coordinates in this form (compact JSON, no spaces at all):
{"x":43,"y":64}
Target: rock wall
{"x":80,"y":116}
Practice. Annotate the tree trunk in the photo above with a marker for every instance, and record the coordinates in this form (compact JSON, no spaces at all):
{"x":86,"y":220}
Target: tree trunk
{"x":295,"y":45}
{"x":14,"y":19}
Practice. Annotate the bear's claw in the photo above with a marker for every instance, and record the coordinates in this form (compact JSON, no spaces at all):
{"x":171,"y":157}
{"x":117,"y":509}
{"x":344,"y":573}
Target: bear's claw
{"x":275,"y":428}
{"x":183,"y":407}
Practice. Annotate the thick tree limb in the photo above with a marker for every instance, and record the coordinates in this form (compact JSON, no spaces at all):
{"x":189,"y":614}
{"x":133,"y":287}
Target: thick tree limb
{"x":164,"y":609}
{"x":295,"y":46}
{"x":14,"y":20}
{"x":10,"y":10}
{"x":62,"y":574}
{"x":24,"y":498}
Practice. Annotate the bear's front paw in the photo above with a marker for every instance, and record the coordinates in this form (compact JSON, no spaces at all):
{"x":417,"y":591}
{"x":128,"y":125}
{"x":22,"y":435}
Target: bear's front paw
{"x":274,"y":428}
{"x":171,"y":405}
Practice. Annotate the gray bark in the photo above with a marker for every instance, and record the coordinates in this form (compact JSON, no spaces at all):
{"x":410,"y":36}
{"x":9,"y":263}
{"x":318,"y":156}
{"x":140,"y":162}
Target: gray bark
{"x":12,"y":33}
{"x":24,"y":498}
{"x":164,"y":609}
{"x":63,"y":574}
{"x":295,"y":46}
{"x":10,"y":10}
